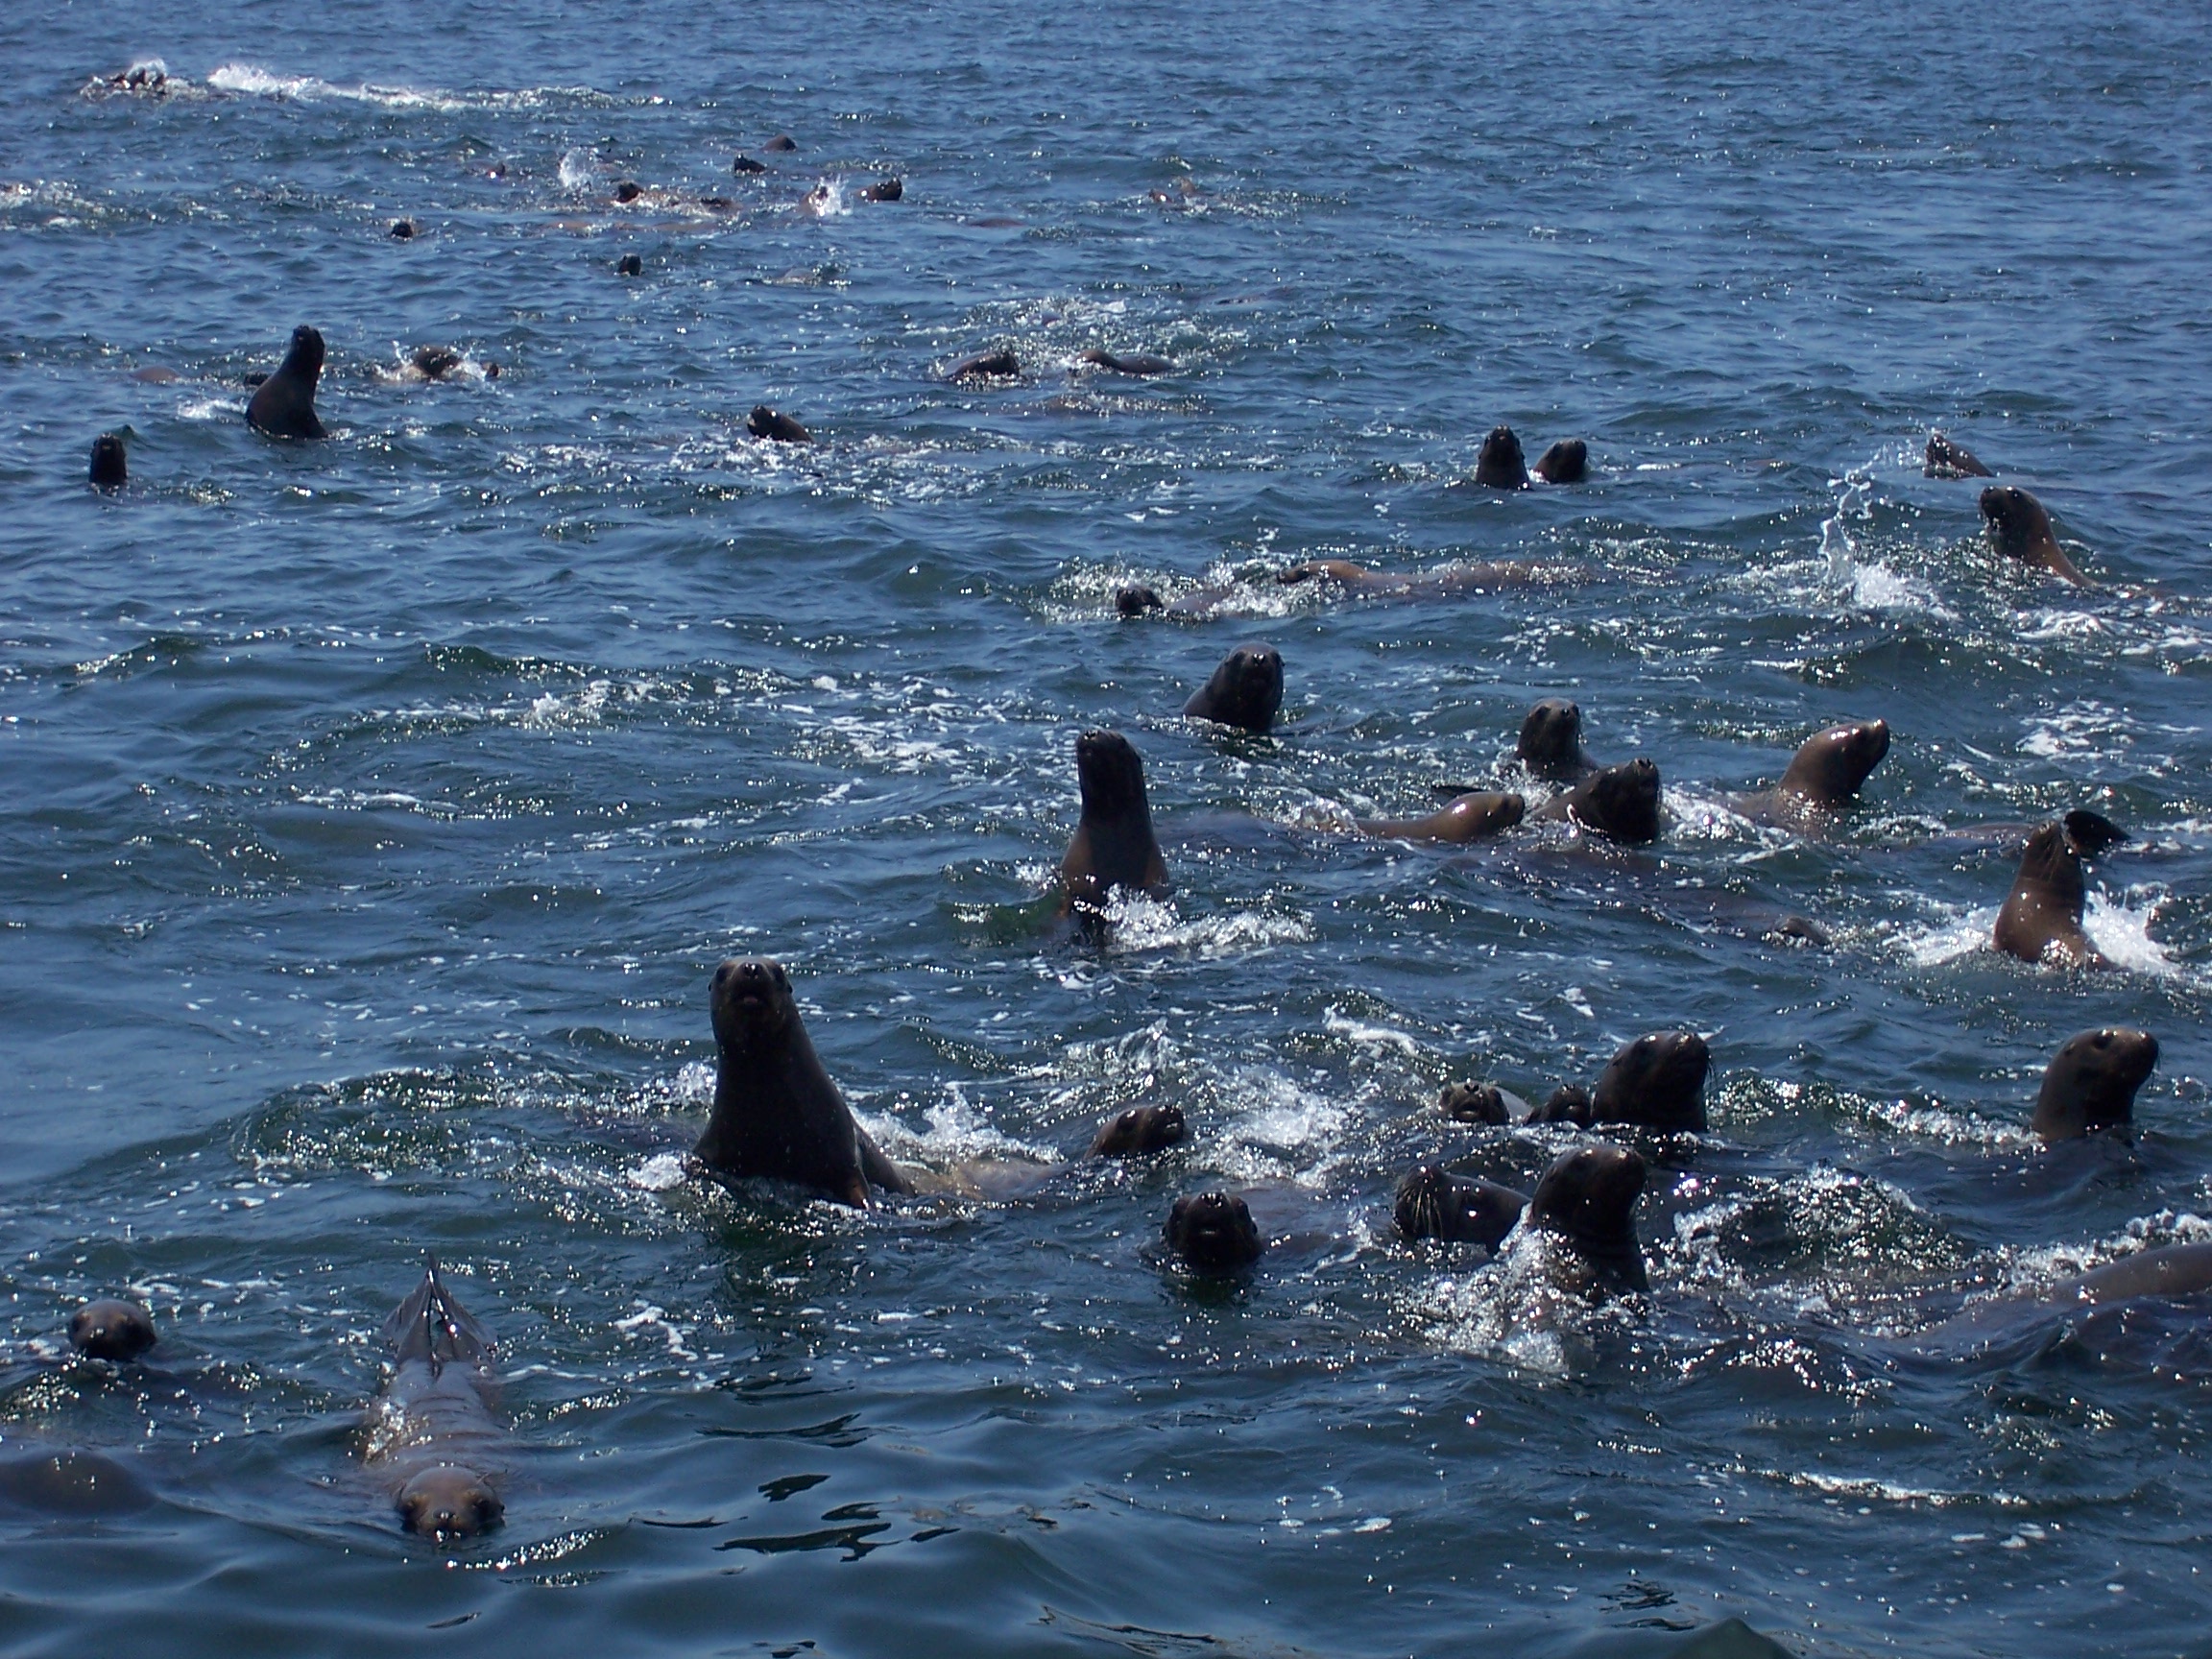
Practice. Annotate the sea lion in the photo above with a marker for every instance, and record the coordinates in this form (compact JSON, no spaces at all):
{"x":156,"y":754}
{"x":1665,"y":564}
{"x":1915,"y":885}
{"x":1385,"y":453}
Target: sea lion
{"x":742,"y":164}
{"x":1825,"y":772}
{"x":1588,"y":1198}
{"x":2090,"y":1083}
{"x":110,"y":467}
{"x":782,"y":144}
{"x":431,"y":1430}
{"x":1945,"y":459}
{"x":1656,"y":1082}
{"x":1246,"y":689}
{"x":2041,"y":918}
{"x":1565,"y":462}
{"x":1569,"y":1104}
{"x":627,"y":191}
{"x":1469,"y":818}
{"x":2167,"y":1270}
{"x":1498,"y":464}
{"x":1113,"y":845}
{"x":999,"y":365}
{"x":403,"y":230}
{"x":1620,"y":802}
{"x":110,"y":1329}
{"x":1137,"y":601}
{"x":1134,"y":363}
{"x":628,"y":265}
{"x":285,"y":404}
{"x":882,"y":190}
{"x":1433,"y":1203}
{"x":1550,"y":742}
{"x":1139,"y":1130}
{"x":766,"y":422}
{"x":435,"y":362}
{"x":775,"y":1113}
{"x":1213,"y":1232}
{"x":1473,"y":1103}
{"x":2019,"y":528}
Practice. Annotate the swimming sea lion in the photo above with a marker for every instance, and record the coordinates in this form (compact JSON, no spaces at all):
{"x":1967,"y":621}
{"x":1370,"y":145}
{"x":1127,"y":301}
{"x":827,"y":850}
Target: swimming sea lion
{"x":628,"y":265}
{"x":766,"y":422}
{"x":1656,"y":1082}
{"x":1565,"y":462}
{"x":1137,"y":601}
{"x":2168,"y":1270}
{"x":1137,"y":1131}
{"x":999,"y":365}
{"x":110,"y":465}
{"x":1135,"y":363}
{"x":2041,"y":916}
{"x":432,"y":1430}
{"x":1569,"y":1104}
{"x":1213,"y":1232}
{"x":284,"y":405}
{"x":2019,"y":528}
{"x":1113,"y":845}
{"x":1469,"y":818}
{"x":2090,"y":1083}
{"x":1620,"y":802}
{"x":1473,"y":1103}
{"x":1498,"y":464}
{"x":435,"y":362}
{"x":111,"y":1329}
{"x":627,"y":191}
{"x":1246,"y":689}
{"x":1588,"y":1198}
{"x":403,"y":229}
{"x":746,"y":164}
{"x":1945,"y":459}
{"x":1826,"y":771}
{"x":882,"y":190}
{"x":1550,"y":744}
{"x":775,"y":1113}
{"x":1433,"y":1203}
{"x":782,"y":144}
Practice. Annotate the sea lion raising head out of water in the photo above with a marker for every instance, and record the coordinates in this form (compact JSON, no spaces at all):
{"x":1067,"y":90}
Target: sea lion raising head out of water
{"x":1656,"y":1082}
{"x":1550,"y":744}
{"x":1113,"y":845}
{"x":766,"y":422}
{"x":1246,"y":689}
{"x":1473,"y":1103}
{"x":1945,"y":459}
{"x":1588,"y":1198}
{"x":1213,"y":1232}
{"x":110,"y":466}
{"x":2041,"y":916}
{"x":1498,"y":464}
{"x":777,"y":1116}
{"x":1619,"y":801}
{"x":283,"y":405}
{"x":2019,"y":528}
{"x":110,"y":1329}
{"x":999,"y":365}
{"x":1825,"y":772}
{"x":1139,"y":1130}
{"x":2090,"y":1083}
{"x":1565,"y":462}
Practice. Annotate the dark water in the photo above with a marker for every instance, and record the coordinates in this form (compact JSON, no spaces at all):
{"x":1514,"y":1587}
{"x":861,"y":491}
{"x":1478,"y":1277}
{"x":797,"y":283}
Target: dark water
{"x":376,"y":810}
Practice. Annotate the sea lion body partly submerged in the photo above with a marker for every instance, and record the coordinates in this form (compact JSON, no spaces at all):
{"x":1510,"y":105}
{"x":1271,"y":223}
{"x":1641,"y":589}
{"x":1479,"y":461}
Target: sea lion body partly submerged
{"x":1433,"y":1203}
{"x":2041,"y":918}
{"x":1550,"y":742}
{"x":1588,"y":1200}
{"x":1470,"y":817}
{"x":1245,"y":690}
{"x":2091,"y":1082}
{"x":283,"y":405}
{"x":2020,"y":528}
{"x":1214,"y":1232}
{"x":1945,"y":459}
{"x":1619,"y":801}
{"x":1113,"y":845}
{"x":1655,"y":1082}
{"x":110,"y":1329}
{"x":110,"y":467}
{"x":1825,"y":772}
{"x":432,"y":1431}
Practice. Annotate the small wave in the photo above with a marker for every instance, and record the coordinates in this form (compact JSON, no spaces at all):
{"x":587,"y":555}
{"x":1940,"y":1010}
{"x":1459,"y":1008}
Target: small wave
{"x":1142,"y":923}
{"x":251,"y":80}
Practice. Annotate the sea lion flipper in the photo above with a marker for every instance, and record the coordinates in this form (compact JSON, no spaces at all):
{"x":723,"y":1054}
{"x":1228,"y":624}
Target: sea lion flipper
{"x":433,"y":1326}
{"x":876,"y":1167}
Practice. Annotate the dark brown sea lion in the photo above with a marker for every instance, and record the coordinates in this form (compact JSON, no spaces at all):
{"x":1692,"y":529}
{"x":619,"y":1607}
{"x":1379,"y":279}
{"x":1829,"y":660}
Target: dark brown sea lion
{"x":2168,"y":1270}
{"x":1469,"y":818}
{"x":2090,"y":1083}
{"x":1213,"y":1232}
{"x":403,"y":230}
{"x":1473,"y":1103}
{"x":1139,"y":1130}
{"x":1588,"y":1198}
{"x":435,"y":362}
{"x":1137,"y":601}
{"x":1550,"y":743}
{"x":882,"y":190}
{"x":1620,"y":802}
{"x":777,"y":1116}
{"x":1825,"y":772}
{"x":432,"y":1431}
{"x":746,"y":164}
{"x":782,"y":144}
{"x":2041,"y":918}
{"x":1133,"y":363}
{"x":1569,"y":1104}
{"x":285,"y":404}
{"x":110,"y":467}
{"x":628,"y":265}
{"x":1433,"y":1203}
{"x":1113,"y":845}
{"x":1500,"y":465}
{"x":1245,"y":690}
{"x":1945,"y":459}
{"x":111,"y":1329}
{"x":999,"y":365}
{"x":2019,"y":528}
{"x":766,"y":422}
{"x":627,"y":191}
{"x":1565,"y":462}
{"x":1656,"y":1082}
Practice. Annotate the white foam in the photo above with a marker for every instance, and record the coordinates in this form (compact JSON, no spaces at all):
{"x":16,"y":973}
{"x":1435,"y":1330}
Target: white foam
{"x":658,"y":1172}
{"x":1370,"y":1036}
{"x":251,"y":80}
{"x":578,"y":168}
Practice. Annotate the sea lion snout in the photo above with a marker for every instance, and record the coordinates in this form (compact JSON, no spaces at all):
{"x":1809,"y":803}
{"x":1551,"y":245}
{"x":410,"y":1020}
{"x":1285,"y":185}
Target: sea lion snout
{"x":449,"y":1502}
{"x":1213,"y":1232}
{"x":110,"y":1329}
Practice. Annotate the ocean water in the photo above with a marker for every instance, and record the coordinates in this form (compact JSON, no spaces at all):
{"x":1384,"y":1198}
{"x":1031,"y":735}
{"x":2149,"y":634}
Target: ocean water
{"x":375,"y":811}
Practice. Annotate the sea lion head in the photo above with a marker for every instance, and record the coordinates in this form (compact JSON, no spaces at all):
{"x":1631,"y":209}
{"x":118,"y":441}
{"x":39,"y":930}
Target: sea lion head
{"x":303,"y":357}
{"x":1110,"y":775}
{"x":2051,"y":858}
{"x":2089,"y":832}
{"x":449,"y":1502}
{"x":1137,"y":601}
{"x":1472,"y":1103}
{"x":1830,"y":765}
{"x":2019,"y":525}
{"x":1213,"y":1232}
{"x":435,"y":362}
{"x":2090,"y":1083}
{"x":111,"y":1329}
{"x":752,"y":1003}
{"x":884,"y":190}
{"x":1589,"y":1197}
{"x":1138,"y":1130}
{"x":1431,"y":1203}
{"x":110,"y":463}
{"x":1499,"y":464}
{"x":1622,"y":802}
{"x":1565,"y":462}
{"x":1550,"y":742}
{"x":1569,"y":1104}
{"x":1246,"y":689}
{"x":1657,"y":1081}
